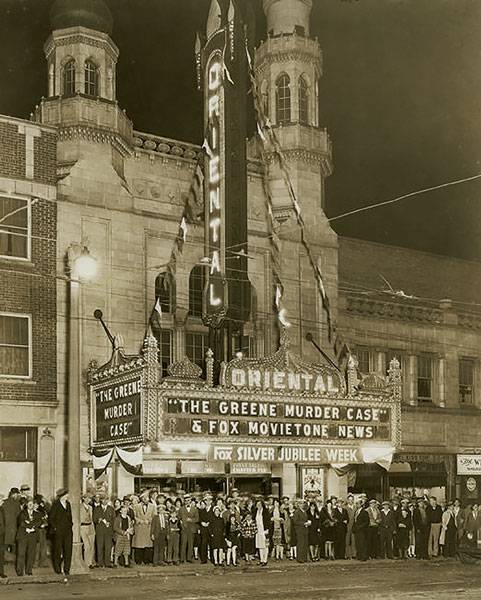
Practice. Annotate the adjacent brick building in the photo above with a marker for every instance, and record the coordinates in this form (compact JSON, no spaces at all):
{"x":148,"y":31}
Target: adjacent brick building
{"x":28,"y":304}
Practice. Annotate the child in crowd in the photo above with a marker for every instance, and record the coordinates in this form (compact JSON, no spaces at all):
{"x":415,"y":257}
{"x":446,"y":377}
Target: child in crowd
{"x":216,"y":530}
{"x":248,"y":532}
{"x":232,"y":539}
{"x":173,"y":539}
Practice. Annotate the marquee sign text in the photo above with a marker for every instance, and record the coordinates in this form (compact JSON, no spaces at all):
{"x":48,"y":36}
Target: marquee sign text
{"x":117,"y":411}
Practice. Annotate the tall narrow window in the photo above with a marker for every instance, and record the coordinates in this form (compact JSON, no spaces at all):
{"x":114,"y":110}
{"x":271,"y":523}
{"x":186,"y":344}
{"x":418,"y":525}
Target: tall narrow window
{"x":364,"y":359}
{"x":265,"y":97}
{"x":425,"y":378}
{"x":303,"y":101}
{"x":164,"y":291}
{"x":466,"y":381}
{"x":165,"y":350}
{"x":15,"y":345}
{"x":91,"y":79}
{"x":15,"y":229}
{"x":196,"y":346}
{"x":283,"y":99}
{"x":68,"y":87}
{"x":196,"y":289}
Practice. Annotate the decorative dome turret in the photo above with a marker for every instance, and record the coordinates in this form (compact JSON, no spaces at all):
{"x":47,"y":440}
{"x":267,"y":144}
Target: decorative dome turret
{"x":93,"y":14}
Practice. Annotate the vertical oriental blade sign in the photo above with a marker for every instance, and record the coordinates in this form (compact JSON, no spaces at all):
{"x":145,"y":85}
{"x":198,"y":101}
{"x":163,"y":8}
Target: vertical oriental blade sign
{"x":227,"y":290}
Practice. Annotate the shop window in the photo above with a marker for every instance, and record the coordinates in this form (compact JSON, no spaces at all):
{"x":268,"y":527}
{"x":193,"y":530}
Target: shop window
{"x":303,"y":101}
{"x":164,"y":291}
{"x":283,"y":99}
{"x":466,"y":381}
{"x":300,"y":30}
{"x":15,"y":345}
{"x":18,"y":444}
{"x":15,"y":228}
{"x":68,"y":87}
{"x":425,"y":378}
{"x":165,"y":350}
{"x":91,"y":79}
{"x":363,"y":356}
{"x":196,"y":345}
{"x":196,"y":291}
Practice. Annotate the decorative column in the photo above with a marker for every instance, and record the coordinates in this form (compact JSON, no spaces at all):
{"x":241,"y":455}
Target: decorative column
{"x":412,"y":379}
{"x":442,"y":381}
{"x":150,"y":382}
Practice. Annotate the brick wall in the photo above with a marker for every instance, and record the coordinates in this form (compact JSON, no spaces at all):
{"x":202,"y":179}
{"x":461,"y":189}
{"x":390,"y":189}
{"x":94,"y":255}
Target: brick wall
{"x":30,"y":286}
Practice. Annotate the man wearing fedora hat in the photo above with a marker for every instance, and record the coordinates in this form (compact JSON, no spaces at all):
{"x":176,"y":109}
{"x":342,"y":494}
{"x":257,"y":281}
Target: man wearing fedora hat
{"x":11,"y":510}
{"x":60,"y":521}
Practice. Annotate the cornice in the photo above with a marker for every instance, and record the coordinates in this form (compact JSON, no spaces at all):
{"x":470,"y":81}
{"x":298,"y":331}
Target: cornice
{"x":311,"y":157}
{"x":80,"y":35}
{"x":96,"y":135}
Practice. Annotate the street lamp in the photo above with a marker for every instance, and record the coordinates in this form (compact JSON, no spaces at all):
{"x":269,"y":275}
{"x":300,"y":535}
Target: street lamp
{"x":82,"y":268}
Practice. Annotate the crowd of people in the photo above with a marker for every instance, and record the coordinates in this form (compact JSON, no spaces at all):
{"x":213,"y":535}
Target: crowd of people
{"x":156,"y":529}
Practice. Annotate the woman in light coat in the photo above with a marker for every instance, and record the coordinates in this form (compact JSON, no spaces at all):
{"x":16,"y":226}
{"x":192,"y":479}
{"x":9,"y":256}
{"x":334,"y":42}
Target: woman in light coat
{"x":447,"y":538}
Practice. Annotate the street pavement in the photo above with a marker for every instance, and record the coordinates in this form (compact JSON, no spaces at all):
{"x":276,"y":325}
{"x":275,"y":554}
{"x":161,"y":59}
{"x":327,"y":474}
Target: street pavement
{"x":349,"y":580}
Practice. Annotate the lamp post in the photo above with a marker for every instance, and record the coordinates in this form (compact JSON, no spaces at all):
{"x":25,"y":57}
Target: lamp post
{"x":82,"y":267}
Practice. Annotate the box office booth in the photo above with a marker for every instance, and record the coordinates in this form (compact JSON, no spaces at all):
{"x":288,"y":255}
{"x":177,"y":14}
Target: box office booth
{"x":275,"y":425}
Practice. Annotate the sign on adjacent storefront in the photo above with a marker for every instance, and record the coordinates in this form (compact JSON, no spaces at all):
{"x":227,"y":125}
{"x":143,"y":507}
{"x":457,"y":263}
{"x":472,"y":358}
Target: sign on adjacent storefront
{"x":468,"y":464}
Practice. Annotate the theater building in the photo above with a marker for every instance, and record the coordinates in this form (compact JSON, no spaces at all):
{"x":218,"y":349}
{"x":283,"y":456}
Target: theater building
{"x":124,"y":193}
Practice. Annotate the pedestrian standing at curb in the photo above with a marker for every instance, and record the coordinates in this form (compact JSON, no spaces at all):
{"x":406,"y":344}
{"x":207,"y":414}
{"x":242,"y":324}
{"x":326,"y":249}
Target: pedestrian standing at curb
{"x":404,"y":526}
{"x":301,"y":522}
{"x":144,"y":512}
{"x":232,"y":539}
{"x":87,"y":531}
{"x":173,"y":539}
{"x":29,"y":522}
{"x":104,"y":517}
{"x":2,"y":539}
{"x":422,"y":529}
{"x":360,"y":530}
{"x":435,"y":517}
{"x":11,"y":509}
{"x":41,"y":506}
{"x":248,"y":532}
{"x":158,"y":533}
{"x":123,"y":531}
{"x":189,"y":520}
{"x":60,"y":522}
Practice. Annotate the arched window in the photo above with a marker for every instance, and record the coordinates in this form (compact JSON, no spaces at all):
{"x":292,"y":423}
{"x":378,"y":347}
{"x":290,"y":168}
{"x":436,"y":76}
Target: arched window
{"x":91,"y":78}
{"x":196,"y":290}
{"x":283,"y":99}
{"x":265,"y":97}
{"x":164,"y":291}
{"x":303,"y":101}
{"x":68,"y":88}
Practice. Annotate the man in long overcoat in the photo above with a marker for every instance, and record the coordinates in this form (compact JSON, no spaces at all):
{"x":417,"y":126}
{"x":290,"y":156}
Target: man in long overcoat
{"x":11,"y":510}
{"x":189,"y":522}
{"x":104,"y":517}
{"x":300,"y":521}
{"x":60,"y":522}
{"x":144,"y":512}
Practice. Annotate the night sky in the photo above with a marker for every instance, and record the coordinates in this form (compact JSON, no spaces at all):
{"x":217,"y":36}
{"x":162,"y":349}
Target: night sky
{"x":401,"y":97}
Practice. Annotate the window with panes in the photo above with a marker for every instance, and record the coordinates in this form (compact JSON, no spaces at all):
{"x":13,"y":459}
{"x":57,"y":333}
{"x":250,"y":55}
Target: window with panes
{"x":15,"y":228}
{"x":164,"y":289}
{"x":91,"y":78}
{"x":283,"y":99}
{"x":196,"y":345}
{"x":18,"y":444}
{"x":15,"y":345}
{"x":165,"y":350}
{"x":466,"y":381}
{"x":303,"y":101}
{"x":425,"y":378}
{"x":196,"y":290}
{"x":68,"y":88}
{"x":363,"y":356}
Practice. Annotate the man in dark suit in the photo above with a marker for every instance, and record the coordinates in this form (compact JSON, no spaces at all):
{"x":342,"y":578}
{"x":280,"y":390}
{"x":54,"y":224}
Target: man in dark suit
{"x":360,"y":529}
{"x":2,"y":541}
{"x":189,"y":521}
{"x":29,"y":523}
{"x":205,"y":515}
{"x":60,"y":521}
{"x":387,"y":527}
{"x":340,"y":529}
{"x":422,"y":527}
{"x":104,"y":517}
{"x":300,"y":520}
{"x":158,"y":533}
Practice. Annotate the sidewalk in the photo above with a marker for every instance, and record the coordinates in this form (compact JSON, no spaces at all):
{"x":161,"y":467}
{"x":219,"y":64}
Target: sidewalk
{"x":46,"y":574}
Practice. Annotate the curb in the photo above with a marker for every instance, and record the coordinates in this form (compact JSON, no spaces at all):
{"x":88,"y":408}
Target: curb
{"x":205,"y":570}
